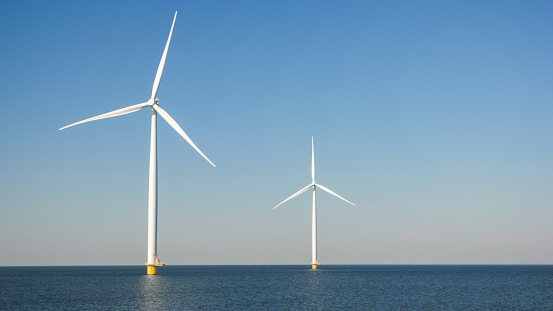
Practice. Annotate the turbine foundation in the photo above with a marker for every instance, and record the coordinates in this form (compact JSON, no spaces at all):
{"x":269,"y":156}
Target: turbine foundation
{"x":151,"y":270}
{"x":314,"y":266}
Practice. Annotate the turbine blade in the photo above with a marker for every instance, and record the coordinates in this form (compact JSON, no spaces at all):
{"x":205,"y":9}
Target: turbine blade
{"x":332,"y":192}
{"x":162,"y":62}
{"x":312,"y":160}
{"x":179,"y":130}
{"x":295,"y":194}
{"x":115,"y":113}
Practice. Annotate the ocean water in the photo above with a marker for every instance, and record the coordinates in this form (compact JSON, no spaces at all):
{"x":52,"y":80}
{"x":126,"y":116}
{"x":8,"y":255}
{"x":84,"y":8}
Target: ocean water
{"x":349,"y":287}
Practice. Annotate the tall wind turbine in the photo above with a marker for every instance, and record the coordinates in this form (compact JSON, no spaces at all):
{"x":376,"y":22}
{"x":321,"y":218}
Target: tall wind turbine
{"x":314,"y":261}
{"x":153,"y":261}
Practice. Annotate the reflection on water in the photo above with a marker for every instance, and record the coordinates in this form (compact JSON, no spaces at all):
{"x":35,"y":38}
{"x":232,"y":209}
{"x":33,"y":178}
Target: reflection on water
{"x":314,"y":291}
{"x":170,"y":291}
{"x":151,"y":292}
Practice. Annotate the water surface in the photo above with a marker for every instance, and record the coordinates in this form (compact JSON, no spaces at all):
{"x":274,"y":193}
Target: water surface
{"x":350,"y":287}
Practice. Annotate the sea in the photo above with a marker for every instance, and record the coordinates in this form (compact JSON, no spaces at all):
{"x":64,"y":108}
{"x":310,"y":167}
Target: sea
{"x":286,"y":287}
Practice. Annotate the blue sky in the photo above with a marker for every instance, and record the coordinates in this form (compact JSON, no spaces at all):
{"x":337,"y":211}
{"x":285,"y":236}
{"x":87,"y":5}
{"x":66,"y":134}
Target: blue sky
{"x":434,"y":117}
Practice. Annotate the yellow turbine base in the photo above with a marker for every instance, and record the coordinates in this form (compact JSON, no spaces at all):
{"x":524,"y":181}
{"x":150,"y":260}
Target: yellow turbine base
{"x":314,"y":266}
{"x":151,"y":270}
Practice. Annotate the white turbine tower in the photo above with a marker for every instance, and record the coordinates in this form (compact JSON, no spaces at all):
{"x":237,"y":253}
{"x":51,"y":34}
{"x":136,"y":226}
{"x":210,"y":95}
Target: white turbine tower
{"x":314,"y":261}
{"x":153,"y":262}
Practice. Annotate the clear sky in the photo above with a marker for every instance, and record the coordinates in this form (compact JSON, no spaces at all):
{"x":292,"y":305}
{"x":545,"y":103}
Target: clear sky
{"x":434,"y":117}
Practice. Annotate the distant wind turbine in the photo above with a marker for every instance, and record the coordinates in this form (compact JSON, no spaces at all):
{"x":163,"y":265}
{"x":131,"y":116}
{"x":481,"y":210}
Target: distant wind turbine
{"x":153,"y":261}
{"x":314,"y":261}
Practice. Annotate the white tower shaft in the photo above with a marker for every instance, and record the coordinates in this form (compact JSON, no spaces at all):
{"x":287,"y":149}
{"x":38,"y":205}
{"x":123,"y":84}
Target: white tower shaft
{"x":314,"y":261}
{"x":152,"y":199}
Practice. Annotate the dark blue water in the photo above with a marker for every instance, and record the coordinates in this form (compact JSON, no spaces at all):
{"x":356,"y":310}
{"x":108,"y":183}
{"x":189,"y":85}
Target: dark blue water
{"x":374,"y":287}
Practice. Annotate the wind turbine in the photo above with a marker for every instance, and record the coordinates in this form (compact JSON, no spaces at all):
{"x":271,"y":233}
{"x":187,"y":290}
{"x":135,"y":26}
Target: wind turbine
{"x":314,"y":261}
{"x":153,"y":261}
